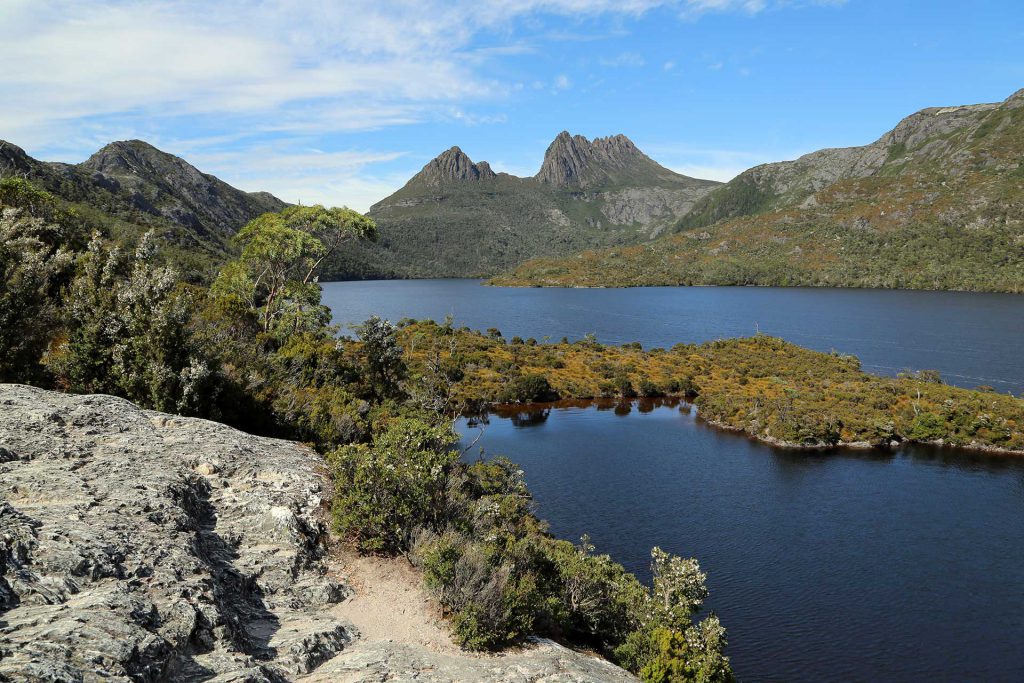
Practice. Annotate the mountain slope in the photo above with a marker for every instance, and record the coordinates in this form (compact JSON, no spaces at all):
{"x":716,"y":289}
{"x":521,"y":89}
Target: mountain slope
{"x":131,"y":186}
{"x":457,"y":218}
{"x":936,"y":203}
{"x":170,"y":186}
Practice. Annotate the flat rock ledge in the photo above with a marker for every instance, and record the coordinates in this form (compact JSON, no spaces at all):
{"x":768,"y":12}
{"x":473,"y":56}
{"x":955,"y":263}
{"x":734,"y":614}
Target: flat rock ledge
{"x":141,"y":546}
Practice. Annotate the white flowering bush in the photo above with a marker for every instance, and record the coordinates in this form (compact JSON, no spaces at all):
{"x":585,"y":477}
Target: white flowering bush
{"x":129,"y":332}
{"x":36,"y":243}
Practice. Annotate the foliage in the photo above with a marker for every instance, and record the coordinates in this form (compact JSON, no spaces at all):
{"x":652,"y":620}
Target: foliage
{"x":382,"y":358}
{"x":386,"y":488}
{"x":36,"y":242}
{"x":761,"y":385}
{"x":276,"y":273}
{"x":674,"y":657}
{"x":528,"y":388}
{"x":131,"y":334}
{"x":679,"y":588}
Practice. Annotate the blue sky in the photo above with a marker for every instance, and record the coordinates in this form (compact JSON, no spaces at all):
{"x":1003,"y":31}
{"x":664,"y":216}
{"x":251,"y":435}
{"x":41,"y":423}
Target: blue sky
{"x":341,"y":102}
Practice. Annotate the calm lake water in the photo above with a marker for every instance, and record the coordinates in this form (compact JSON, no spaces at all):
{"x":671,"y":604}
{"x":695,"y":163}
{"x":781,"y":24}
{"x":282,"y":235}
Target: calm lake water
{"x":846,"y":565}
{"x":970,"y":338}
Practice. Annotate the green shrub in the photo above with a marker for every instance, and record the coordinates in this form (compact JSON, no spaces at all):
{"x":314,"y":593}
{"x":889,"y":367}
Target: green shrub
{"x":927,"y":427}
{"x":387,"y":488}
{"x":528,"y":389}
{"x":647,"y":388}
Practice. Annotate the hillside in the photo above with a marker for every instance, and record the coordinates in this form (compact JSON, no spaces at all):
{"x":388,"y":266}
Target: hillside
{"x":457,"y":218}
{"x":935,"y":203}
{"x":129,"y":187}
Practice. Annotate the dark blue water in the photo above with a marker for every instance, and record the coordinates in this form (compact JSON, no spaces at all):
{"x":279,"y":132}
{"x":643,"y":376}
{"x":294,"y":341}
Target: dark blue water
{"x":972,"y":339}
{"x":845,"y":566}
{"x":853,"y":566}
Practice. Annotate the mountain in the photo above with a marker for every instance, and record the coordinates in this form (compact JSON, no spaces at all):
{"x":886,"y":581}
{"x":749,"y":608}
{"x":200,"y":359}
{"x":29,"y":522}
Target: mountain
{"x":457,"y":218}
{"x":935,"y":203}
{"x":130,"y":186}
{"x":170,"y":186}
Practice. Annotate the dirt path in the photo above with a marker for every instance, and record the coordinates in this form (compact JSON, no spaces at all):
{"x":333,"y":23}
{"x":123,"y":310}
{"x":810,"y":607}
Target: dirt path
{"x":390,"y":604}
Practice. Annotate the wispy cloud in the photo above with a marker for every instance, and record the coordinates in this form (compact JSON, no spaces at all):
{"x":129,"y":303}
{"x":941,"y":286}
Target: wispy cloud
{"x":623,"y":59}
{"x":713,"y":164}
{"x":231,"y":74}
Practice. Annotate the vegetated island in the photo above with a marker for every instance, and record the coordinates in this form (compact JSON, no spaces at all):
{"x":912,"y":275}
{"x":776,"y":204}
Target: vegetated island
{"x":936,"y":203}
{"x":770,"y":389}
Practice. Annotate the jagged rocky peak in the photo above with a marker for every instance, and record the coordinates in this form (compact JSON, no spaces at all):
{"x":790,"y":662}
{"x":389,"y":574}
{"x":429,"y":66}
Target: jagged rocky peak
{"x":453,"y":165}
{"x":573,"y":160}
{"x":135,"y":157}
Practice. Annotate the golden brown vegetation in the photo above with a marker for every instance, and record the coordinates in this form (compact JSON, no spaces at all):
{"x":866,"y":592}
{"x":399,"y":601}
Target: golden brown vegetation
{"x":770,"y":389}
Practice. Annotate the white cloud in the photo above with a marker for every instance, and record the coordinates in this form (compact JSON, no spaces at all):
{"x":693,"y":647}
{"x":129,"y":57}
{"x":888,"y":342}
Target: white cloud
{"x":228,"y":75}
{"x":623,"y":59}
{"x":712,"y":164}
{"x":309,"y":176}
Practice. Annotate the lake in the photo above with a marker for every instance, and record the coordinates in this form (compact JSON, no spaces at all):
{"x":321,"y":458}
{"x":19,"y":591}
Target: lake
{"x":845,"y":565}
{"x":972,"y":339}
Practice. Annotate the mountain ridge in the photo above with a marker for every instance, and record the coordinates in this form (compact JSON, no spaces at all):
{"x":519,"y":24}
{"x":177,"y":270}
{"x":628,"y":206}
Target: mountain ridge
{"x":130,"y":186}
{"x":937,"y":202}
{"x":458,"y":218}
{"x":147,"y":180}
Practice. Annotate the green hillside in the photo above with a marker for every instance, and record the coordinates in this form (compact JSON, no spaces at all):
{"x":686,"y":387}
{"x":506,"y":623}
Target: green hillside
{"x":936,"y":203}
{"x":457,"y":218}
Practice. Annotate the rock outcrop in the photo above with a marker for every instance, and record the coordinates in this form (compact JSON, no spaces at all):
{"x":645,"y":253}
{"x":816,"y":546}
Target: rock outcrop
{"x":453,"y":165}
{"x":573,"y":161}
{"x":136,"y":545}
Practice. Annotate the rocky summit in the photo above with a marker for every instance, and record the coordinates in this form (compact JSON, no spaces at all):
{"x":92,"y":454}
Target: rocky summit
{"x":132,"y":186}
{"x":458,"y":218}
{"x":453,"y":166}
{"x":575,"y":161}
{"x":140,"y":546}
{"x":169,"y":185}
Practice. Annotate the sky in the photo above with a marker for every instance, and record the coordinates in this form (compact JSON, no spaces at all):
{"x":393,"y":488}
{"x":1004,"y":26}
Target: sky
{"x":341,"y":102}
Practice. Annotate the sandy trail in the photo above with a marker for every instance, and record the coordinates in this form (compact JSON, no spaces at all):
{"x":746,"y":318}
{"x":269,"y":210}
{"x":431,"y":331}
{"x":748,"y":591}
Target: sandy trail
{"x":390,"y":604}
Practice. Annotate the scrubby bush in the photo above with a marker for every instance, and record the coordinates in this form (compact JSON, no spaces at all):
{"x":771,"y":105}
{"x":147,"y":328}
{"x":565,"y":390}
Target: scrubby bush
{"x":528,"y":389}
{"x":387,"y":488}
{"x":37,"y":239}
{"x":927,"y":427}
{"x":648,"y":388}
{"x":132,"y":335}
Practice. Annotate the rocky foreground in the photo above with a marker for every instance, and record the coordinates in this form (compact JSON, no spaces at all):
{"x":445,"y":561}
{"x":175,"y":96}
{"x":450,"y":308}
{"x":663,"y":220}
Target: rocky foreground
{"x":136,"y":545}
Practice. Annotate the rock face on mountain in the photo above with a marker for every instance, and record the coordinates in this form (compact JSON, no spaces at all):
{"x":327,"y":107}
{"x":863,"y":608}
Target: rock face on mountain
{"x":572,"y":161}
{"x":453,"y":166}
{"x":935,"y":203}
{"x":137,"y":182}
{"x":456,"y":218}
{"x":141,"y":546}
{"x":177,"y":190}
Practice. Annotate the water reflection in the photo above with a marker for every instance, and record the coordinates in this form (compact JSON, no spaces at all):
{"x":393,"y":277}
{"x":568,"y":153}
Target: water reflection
{"x":823,"y":564}
{"x":525,"y":415}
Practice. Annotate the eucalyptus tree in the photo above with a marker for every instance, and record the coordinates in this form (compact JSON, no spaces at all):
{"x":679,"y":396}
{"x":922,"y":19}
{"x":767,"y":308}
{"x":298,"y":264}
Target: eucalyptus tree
{"x":277,"y":273}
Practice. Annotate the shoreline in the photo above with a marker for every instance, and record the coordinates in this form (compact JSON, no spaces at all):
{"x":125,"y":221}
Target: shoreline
{"x":497,"y":408}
